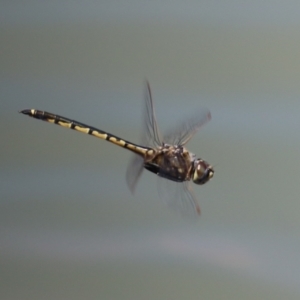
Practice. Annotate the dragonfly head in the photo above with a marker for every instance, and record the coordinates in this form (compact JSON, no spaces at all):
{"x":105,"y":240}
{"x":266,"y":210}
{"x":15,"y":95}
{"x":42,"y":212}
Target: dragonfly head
{"x":203,"y":172}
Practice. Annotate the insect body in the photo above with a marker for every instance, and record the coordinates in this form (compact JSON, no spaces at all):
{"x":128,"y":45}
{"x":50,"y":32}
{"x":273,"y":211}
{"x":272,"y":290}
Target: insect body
{"x":168,"y":160}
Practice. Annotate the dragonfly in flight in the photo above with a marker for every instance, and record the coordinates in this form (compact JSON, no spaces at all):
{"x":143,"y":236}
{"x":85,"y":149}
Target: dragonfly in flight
{"x":165,"y":156}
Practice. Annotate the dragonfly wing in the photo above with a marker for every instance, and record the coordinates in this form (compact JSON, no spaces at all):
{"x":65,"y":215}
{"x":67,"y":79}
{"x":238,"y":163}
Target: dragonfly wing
{"x":184,"y":132}
{"x":134,"y":171}
{"x":180,"y":197}
{"x":150,"y":137}
{"x":188,"y":196}
{"x":153,"y":136}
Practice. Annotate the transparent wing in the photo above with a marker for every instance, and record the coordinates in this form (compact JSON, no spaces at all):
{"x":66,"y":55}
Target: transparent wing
{"x":184,"y":132}
{"x":180,"y":197}
{"x":152,"y":134}
{"x":134,"y":171}
{"x":149,"y":137}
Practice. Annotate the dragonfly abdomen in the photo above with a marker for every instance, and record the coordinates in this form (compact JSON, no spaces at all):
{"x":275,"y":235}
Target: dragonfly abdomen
{"x":81,"y":127}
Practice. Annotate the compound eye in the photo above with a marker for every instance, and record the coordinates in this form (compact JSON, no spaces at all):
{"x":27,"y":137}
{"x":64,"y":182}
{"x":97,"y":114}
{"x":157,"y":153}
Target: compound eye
{"x":200,"y":171}
{"x":203,"y":172}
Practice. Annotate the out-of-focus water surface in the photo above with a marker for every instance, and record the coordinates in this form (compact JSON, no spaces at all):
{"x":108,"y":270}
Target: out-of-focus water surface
{"x":70,"y":229}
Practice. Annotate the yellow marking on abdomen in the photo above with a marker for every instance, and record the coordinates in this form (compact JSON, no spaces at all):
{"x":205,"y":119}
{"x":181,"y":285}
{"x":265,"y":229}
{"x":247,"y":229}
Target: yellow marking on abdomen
{"x":137,"y":149}
{"x":82,"y":129}
{"x":64,"y":124}
{"x":116,"y":141}
{"x":99,"y":135}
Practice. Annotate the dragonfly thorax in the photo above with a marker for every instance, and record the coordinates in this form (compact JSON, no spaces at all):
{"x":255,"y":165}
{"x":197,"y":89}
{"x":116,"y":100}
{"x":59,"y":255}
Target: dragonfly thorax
{"x":203,"y":171}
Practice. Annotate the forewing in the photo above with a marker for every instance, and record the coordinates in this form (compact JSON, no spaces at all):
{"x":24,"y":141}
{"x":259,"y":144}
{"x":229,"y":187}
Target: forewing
{"x":180,"y":197}
{"x":181,"y":134}
{"x":188,"y":196}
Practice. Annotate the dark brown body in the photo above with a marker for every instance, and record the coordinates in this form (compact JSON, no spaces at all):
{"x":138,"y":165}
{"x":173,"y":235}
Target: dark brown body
{"x":172,"y":162}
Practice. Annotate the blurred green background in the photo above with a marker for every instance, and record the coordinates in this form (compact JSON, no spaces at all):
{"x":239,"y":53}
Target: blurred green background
{"x":69,"y":227}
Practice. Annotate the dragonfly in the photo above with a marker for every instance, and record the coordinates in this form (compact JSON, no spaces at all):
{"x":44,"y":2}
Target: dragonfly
{"x":165,"y":156}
